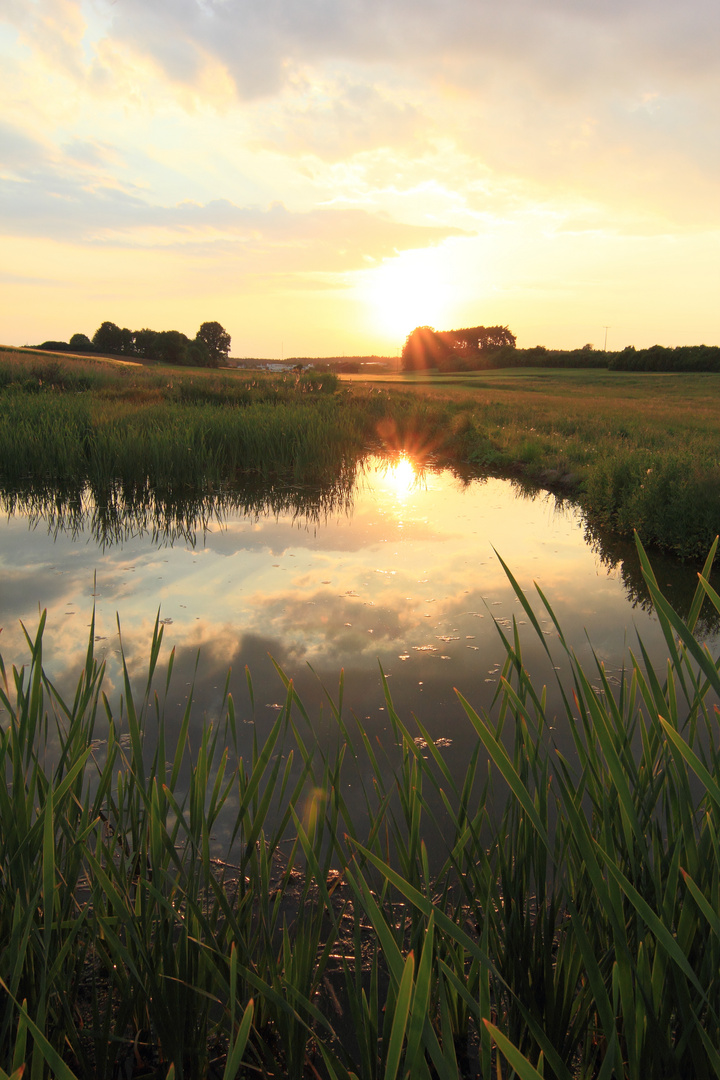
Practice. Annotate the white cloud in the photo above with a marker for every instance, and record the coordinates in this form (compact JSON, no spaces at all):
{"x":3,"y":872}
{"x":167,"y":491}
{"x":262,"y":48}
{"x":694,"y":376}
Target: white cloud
{"x":377,"y":125}
{"x":563,"y":43}
{"x":60,"y":201}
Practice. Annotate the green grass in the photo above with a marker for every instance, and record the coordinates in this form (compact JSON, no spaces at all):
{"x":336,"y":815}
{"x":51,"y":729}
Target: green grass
{"x":569,"y":928}
{"x":637,"y":451}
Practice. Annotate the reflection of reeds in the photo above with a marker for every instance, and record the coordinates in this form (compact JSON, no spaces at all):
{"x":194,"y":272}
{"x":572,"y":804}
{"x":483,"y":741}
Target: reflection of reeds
{"x":116,"y":514}
{"x":573,"y":933}
{"x":638,"y":452}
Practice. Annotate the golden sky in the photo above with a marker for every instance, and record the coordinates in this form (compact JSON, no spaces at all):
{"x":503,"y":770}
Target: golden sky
{"x":321,"y":176}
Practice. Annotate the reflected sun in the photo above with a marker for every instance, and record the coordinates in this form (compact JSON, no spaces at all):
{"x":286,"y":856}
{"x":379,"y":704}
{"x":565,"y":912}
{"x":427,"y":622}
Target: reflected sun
{"x":400,"y":477}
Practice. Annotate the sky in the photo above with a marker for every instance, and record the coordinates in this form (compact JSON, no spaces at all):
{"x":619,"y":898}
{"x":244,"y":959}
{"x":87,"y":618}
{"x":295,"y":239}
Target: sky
{"x":321,"y":176}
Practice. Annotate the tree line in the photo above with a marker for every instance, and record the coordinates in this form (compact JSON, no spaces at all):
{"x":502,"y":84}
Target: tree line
{"x":481,"y":347}
{"x":209,"y":347}
{"x":454,"y":350}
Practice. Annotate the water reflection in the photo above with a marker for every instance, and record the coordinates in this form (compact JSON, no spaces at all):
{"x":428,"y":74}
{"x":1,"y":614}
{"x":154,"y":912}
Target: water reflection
{"x":401,"y":475}
{"x":165,"y":518}
{"x":678,"y":580}
{"x":119,"y":513}
{"x":391,"y":567}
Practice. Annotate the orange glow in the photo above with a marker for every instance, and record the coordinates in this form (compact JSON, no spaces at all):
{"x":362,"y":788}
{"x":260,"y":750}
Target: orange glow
{"x":401,"y":477}
{"x":407,"y":291}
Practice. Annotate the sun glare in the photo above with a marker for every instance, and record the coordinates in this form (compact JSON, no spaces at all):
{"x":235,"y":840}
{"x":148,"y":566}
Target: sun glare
{"x":407,"y":291}
{"x":400,"y":477}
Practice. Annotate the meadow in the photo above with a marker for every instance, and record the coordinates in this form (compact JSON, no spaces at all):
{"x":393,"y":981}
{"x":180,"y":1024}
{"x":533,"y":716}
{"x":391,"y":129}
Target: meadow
{"x":637,"y":451}
{"x":569,"y":928}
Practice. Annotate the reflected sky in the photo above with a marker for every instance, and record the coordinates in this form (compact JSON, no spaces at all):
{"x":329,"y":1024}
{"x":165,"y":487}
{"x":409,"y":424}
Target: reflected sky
{"x":403,"y":574}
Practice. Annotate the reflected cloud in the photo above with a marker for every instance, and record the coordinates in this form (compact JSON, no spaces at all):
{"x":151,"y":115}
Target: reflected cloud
{"x":396,"y":571}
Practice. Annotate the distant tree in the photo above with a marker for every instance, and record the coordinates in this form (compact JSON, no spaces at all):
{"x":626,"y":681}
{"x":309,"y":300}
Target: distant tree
{"x":80,"y":343}
{"x":424,"y":348}
{"x":474,"y":341}
{"x":146,"y":343}
{"x":109,"y":338}
{"x":53,"y":346}
{"x":197,"y":354}
{"x":171,"y":347}
{"x":454,"y":350}
{"x":127,"y":342}
{"x":216,"y":340}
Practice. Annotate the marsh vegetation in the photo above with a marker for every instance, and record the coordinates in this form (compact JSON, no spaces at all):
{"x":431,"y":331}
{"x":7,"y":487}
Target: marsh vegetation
{"x":637,"y":451}
{"x":569,"y":929}
{"x":205,"y":900}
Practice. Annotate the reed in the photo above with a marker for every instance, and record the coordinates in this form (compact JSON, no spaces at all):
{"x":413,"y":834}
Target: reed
{"x":638,"y":452}
{"x":171,"y":446}
{"x":570,"y":929}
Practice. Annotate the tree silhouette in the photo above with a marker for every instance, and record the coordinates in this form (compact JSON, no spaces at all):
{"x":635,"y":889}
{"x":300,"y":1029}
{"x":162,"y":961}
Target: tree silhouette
{"x":454,"y":350}
{"x":216,"y":340}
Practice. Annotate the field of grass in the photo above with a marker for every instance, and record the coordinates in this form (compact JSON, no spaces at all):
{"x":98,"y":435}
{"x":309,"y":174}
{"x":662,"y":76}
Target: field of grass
{"x":637,"y":451}
{"x":570,"y":930}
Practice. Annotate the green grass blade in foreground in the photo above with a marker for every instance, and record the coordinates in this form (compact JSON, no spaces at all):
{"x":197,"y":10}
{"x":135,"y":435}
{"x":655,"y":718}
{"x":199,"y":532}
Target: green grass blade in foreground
{"x":52,"y":1058}
{"x":707,"y":588}
{"x":420,"y":1001}
{"x":662,"y":933}
{"x":523,"y":600}
{"x":445,"y":925}
{"x":704,"y":576}
{"x":400,"y":1019}
{"x":236,"y":1047}
{"x":520,"y":1064}
{"x":711,"y":785}
{"x":671,"y":621}
{"x":501,"y":758}
{"x":702,"y":902}
{"x":618,"y":771}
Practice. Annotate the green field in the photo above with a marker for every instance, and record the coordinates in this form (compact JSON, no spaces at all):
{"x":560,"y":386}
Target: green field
{"x":637,"y":451}
{"x":569,"y":929}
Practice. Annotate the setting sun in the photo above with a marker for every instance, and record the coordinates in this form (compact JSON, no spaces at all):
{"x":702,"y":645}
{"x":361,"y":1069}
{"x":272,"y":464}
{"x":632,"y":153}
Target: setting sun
{"x":407,"y":291}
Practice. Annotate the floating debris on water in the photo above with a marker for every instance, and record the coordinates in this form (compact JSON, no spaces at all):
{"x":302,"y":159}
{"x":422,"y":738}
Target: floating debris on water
{"x":422,"y":743}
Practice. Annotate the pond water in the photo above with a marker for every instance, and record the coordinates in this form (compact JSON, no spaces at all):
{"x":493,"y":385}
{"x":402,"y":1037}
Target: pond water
{"x":398,"y":569}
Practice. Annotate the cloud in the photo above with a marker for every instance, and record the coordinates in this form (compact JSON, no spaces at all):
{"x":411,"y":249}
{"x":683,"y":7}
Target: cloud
{"x":262,"y":144}
{"x":566,"y":91}
{"x":566,"y":44}
{"x":337,"y":118}
{"x":53,"y":29}
{"x":48,"y":200}
{"x":600,"y":101}
{"x":19,"y":150}
{"x":91,"y":152}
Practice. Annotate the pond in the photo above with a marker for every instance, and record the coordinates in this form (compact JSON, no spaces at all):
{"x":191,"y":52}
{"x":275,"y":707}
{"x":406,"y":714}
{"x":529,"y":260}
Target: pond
{"x":398,"y":569}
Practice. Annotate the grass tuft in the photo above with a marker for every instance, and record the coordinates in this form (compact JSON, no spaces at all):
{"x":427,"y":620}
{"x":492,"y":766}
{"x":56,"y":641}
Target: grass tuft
{"x":570,"y":929}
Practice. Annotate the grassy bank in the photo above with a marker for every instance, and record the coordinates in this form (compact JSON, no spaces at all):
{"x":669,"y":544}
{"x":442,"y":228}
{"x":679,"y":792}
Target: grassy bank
{"x":570,"y":930}
{"x":638,"y":451}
